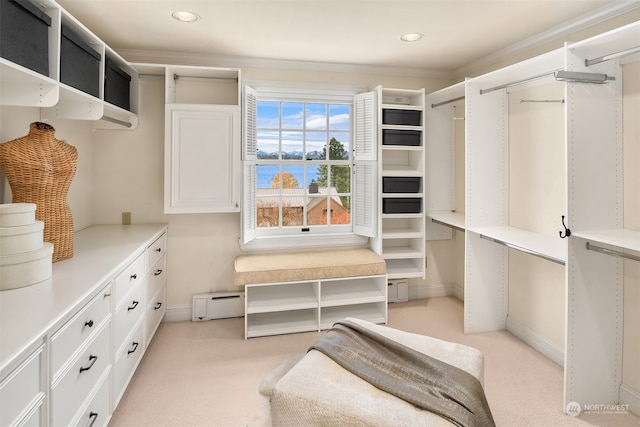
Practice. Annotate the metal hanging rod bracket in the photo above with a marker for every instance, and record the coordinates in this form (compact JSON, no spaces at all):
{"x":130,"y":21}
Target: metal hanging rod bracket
{"x":612,"y":252}
{"x":177,"y":76}
{"x":542,"y":100}
{"x":631,"y":51}
{"x":579,"y":77}
{"x":438,"y":104}
{"x":517,"y":82}
{"x":116,"y":121}
{"x":521,"y":249}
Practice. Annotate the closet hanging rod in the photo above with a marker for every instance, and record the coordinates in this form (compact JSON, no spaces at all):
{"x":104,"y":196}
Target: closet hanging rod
{"x":517,"y":82}
{"x":455,"y":227}
{"x":609,"y":57}
{"x":611,"y":252}
{"x":116,"y":121}
{"x":438,"y":104}
{"x":177,"y":76}
{"x":542,"y":100}
{"x":525,"y":250}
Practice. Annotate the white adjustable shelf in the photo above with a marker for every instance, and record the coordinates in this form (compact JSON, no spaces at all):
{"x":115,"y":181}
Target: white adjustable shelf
{"x":375,"y":313}
{"x":23,"y":87}
{"x":284,"y":322}
{"x":448,"y":218}
{"x":404,"y":268}
{"x":282,"y":297}
{"x":550,"y":247}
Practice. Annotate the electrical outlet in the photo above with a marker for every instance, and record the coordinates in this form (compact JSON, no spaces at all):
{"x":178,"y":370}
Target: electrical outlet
{"x":126,"y":218}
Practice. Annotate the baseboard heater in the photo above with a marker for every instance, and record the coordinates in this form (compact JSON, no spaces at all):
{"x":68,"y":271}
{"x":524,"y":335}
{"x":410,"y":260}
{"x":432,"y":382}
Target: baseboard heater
{"x":217,"y":305}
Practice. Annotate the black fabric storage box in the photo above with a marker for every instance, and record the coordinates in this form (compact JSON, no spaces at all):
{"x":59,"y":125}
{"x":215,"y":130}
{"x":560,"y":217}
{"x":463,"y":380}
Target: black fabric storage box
{"x":401,"y":137}
{"x":79,"y":63}
{"x":401,"y":205}
{"x":24,"y":35}
{"x":400,"y":184}
{"x":401,"y":117}
{"x":116,"y":85}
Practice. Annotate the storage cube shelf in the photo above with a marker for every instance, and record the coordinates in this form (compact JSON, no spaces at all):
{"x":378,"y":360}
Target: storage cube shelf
{"x":281,"y":308}
{"x":68,"y":89}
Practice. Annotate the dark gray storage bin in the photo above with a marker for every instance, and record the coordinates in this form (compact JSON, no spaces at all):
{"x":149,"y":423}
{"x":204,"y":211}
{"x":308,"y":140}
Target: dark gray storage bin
{"x":401,"y":137}
{"x":401,"y":205}
{"x":79,"y":63}
{"x":401,"y":117}
{"x":400,"y":184}
{"x":116,"y":85}
{"x":24,"y":35}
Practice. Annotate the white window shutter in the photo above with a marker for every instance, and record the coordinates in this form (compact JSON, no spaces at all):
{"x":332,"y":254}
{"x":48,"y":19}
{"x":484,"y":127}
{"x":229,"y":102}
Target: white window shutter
{"x":365,"y":128}
{"x":249,"y":119}
{"x":366,"y":167}
{"x":248,"y":202}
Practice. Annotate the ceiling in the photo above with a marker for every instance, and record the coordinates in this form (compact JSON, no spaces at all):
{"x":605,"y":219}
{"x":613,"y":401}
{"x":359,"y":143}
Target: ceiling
{"x":353,"y":32}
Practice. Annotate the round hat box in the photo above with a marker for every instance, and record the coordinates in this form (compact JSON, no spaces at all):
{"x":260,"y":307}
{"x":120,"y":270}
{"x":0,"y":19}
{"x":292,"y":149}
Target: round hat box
{"x":21,"y":238}
{"x":29,"y":268}
{"x":17,"y":214}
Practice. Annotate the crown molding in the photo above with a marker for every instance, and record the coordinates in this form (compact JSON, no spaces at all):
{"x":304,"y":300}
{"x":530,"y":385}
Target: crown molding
{"x":559,"y":32}
{"x":184,"y":58}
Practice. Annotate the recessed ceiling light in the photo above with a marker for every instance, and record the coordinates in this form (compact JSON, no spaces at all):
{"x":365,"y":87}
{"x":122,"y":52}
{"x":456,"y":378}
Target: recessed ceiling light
{"x":184,"y":16}
{"x":411,"y":37}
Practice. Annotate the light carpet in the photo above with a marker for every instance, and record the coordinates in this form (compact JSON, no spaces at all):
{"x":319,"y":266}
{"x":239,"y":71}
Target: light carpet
{"x":200,"y":374}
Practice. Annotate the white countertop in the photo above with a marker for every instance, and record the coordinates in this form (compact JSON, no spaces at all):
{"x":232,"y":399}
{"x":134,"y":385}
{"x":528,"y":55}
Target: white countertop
{"x":100,"y":252}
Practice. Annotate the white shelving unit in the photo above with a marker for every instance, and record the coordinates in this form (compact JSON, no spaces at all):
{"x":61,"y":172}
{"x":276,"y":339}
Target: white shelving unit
{"x":283,"y":308}
{"x":21,"y":86}
{"x":592,"y":181}
{"x":202,"y":137}
{"x":400,"y":237}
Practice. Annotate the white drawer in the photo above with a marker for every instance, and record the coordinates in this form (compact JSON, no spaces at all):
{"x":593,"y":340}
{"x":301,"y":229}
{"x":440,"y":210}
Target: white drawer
{"x":155,"y":313}
{"x":128,"y":314}
{"x":21,"y":389}
{"x":156,"y":277}
{"x":68,"y":339}
{"x":156,"y":250}
{"x":97,"y":412}
{"x":73,"y":388}
{"x":127,"y":360}
{"x":128,"y":279}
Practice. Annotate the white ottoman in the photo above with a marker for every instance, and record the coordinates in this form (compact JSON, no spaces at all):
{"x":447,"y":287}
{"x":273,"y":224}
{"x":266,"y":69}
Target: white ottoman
{"x":319,"y":392}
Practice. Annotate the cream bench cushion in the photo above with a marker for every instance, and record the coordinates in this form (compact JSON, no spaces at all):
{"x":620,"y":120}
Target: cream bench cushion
{"x":299,"y":266}
{"x":319,"y":392}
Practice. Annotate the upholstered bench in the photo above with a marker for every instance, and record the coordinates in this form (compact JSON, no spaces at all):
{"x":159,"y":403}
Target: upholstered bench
{"x":317,"y":391}
{"x":308,"y":291}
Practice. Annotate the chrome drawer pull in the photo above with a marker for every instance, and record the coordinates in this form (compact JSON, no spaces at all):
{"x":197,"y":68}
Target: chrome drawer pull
{"x":92,"y":361}
{"x":133,"y":305}
{"x":89,"y":323}
{"x":133,"y":277}
{"x":93,"y":416}
{"x":134,"y":348}
{"x":158,"y":272}
{"x":158,"y":305}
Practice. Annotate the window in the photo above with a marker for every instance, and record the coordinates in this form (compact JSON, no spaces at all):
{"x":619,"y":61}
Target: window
{"x":300,"y":177}
{"x":303,"y":166}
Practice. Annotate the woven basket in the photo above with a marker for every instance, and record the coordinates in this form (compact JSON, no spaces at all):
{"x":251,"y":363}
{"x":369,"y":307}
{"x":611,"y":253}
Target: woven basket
{"x":39,"y":169}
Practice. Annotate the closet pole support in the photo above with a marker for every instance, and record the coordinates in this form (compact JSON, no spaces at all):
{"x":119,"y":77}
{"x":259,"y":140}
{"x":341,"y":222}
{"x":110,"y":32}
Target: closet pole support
{"x":612,"y":252}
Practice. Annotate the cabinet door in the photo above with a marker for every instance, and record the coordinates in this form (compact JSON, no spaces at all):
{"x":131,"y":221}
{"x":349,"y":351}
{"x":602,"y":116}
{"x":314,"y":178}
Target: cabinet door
{"x":202,"y":155}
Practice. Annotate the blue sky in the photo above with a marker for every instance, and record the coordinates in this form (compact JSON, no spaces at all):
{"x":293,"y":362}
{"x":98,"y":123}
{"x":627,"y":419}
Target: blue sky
{"x":314,"y":122}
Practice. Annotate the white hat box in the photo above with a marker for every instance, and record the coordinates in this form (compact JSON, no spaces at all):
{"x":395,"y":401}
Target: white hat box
{"x":27,"y":268}
{"x":17,"y":214}
{"x":21,"y":238}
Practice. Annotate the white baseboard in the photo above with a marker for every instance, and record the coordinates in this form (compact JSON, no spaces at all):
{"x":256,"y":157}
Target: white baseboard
{"x":421,"y":290}
{"x":545,"y":347}
{"x":178,"y":313}
{"x":631,"y":397}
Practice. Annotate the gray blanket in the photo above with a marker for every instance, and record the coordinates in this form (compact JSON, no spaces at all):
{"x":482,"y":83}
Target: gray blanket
{"x":427,"y":383}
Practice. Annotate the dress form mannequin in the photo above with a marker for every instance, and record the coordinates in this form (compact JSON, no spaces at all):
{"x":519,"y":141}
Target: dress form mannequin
{"x":39,"y":169}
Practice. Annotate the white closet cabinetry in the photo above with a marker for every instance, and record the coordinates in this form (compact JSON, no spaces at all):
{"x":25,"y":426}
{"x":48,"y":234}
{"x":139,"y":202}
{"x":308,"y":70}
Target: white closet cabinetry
{"x":70,"y":359}
{"x":202,"y":138}
{"x":400,"y":237}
